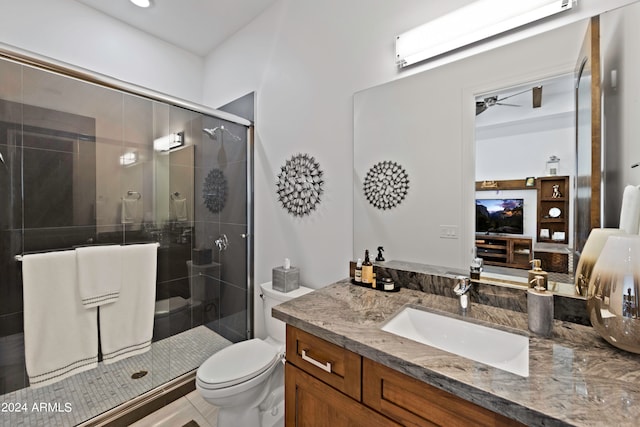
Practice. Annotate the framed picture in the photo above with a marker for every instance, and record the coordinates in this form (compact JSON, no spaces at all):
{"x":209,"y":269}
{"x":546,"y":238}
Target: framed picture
{"x":530,"y":181}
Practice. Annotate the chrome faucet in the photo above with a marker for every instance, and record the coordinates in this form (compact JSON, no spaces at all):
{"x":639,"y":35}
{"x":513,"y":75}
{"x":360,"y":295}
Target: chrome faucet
{"x":463,"y":285}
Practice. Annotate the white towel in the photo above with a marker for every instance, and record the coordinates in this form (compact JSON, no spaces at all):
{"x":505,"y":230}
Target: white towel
{"x":129,"y":208}
{"x":126,"y":326}
{"x":180,"y":208}
{"x":99,"y":274}
{"x":630,"y":211}
{"x":60,"y":335}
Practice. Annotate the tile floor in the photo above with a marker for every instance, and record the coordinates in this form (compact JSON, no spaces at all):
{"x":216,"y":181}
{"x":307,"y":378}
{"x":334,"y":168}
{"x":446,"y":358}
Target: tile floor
{"x":85,"y":395}
{"x":181,"y":412}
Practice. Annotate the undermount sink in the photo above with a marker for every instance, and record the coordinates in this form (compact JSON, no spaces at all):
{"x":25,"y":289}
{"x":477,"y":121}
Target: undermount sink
{"x":500,"y":349}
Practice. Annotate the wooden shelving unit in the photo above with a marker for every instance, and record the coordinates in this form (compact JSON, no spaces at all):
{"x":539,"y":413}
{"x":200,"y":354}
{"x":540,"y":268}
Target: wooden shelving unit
{"x":504,"y":251}
{"x":548,"y":201}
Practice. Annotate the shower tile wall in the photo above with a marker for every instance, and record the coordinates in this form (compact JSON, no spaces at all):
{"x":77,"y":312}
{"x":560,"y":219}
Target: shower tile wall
{"x":47,"y":200}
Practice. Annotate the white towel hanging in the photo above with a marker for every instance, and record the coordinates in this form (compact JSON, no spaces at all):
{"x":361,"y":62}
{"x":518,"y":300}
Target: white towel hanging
{"x":60,"y":334}
{"x":180,"y":209}
{"x":126,"y":326}
{"x":129,"y":211}
{"x":99,"y":274}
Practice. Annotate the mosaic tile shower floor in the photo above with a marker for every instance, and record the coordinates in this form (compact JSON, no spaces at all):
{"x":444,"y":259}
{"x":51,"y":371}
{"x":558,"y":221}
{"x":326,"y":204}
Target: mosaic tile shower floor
{"x":83,"y":396}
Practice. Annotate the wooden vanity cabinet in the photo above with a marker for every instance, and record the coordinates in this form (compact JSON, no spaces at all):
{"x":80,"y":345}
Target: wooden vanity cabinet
{"x":340,"y":388}
{"x":310,"y":402}
{"x":323,"y":385}
{"x":414,"y":403}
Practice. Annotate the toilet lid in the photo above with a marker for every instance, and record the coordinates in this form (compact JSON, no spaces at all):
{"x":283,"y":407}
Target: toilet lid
{"x":237,"y":363}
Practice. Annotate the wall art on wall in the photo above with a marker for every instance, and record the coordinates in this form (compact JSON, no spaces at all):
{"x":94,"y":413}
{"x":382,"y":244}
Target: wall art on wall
{"x":386,"y":185}
{"x":214,"y":190}
{"x":299,"y":184}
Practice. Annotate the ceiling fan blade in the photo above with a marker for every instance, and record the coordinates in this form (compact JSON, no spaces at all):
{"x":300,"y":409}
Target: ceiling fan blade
{"x":512,"y":95}
{"x":480,"y":107}
{"x":537,"y":96}
{"x":508,"y":105}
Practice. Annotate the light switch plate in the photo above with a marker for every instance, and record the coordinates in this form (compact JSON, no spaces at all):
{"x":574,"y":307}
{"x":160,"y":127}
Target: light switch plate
{"x":448,"y":231}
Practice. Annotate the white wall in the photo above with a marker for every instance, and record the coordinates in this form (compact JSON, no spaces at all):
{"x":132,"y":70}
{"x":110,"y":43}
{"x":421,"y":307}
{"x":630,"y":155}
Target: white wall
{"x":73,"y":33}
{"x":304,"y":60}
{"x":521,"y":155}
{"x":621,"y":106}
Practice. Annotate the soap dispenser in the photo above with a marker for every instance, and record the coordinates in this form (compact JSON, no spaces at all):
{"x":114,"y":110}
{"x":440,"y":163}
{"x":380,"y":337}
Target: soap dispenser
{"x":540,"y":308}
{"x":537,"y":271}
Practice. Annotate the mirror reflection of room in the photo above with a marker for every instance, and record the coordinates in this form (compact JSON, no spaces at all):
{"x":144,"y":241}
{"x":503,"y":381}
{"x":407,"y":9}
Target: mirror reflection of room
{"x":525,"y":163}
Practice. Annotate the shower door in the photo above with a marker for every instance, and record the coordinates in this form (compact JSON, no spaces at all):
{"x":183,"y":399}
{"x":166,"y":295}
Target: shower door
{"x":84,"y":164}
{"x":222,"y":225}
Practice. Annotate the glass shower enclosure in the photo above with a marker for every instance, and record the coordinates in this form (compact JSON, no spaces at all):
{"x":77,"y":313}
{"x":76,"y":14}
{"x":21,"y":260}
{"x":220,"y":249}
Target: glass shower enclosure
{"x":85,"y":164}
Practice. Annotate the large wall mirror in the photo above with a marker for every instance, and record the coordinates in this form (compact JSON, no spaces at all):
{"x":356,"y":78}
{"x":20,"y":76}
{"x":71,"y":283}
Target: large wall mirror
{"x":453,"y":154}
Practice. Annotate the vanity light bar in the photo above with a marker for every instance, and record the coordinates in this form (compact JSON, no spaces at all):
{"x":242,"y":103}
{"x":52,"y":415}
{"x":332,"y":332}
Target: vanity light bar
{"x":470,"y":24}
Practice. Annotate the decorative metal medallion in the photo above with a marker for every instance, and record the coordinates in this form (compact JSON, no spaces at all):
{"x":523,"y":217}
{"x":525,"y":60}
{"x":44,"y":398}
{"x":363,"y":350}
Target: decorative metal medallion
{"x":386,"y":185}
{"x":214,"y":191}
{"x":300,"y":184}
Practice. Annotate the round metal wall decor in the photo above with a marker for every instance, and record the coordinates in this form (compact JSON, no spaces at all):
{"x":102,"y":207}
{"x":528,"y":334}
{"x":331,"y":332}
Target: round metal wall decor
{"x":300,"y":184}
{"x":386,"y":185}
{"x":214,"y":190}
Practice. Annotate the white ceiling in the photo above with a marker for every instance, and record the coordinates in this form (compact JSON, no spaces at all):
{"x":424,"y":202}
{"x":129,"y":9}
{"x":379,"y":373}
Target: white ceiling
{"x":197,"y":26}
{"x":557,"y":98}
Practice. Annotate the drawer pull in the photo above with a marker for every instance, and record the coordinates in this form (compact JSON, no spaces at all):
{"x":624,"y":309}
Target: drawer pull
{"x":324,"y":366}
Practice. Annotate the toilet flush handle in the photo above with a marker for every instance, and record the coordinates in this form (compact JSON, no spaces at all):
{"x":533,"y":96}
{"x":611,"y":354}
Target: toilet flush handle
{"x":324,"y":366}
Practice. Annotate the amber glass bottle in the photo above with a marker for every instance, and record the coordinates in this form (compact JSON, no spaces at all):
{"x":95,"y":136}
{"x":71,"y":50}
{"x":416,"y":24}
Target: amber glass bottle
{"x":367,"y":270}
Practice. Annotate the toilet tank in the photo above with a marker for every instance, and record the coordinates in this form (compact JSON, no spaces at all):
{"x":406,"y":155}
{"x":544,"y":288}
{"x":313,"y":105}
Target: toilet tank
{"x":270,"y":298}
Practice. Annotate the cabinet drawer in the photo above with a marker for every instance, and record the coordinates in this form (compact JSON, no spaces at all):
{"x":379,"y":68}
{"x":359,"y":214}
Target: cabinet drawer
{"x":328,"y":362}
{"x":414,"y":403}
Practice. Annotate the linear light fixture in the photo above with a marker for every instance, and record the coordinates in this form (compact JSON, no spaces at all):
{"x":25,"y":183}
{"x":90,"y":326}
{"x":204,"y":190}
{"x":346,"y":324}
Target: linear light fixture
{"x":470,"y":24}
{"x":169,"y":142}
{"x":141,"y":3}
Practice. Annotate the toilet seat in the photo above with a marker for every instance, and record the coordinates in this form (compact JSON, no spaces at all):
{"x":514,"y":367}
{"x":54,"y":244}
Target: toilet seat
{"x":241,"y":362}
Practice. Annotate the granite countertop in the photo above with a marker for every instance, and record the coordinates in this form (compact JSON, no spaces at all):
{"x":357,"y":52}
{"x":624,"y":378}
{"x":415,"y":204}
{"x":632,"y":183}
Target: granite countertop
{"x":575,"y":377}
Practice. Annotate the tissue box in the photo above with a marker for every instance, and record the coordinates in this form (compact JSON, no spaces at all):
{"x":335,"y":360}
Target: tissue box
{"x":201,"y":256}
{"x":285,"y":280}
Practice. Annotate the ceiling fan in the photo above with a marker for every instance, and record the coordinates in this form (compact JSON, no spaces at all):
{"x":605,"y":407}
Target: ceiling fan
{"x":495,"y":100}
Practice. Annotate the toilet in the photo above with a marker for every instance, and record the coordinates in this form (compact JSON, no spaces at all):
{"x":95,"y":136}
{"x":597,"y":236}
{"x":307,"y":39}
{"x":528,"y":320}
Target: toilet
{"x":246,"y":380}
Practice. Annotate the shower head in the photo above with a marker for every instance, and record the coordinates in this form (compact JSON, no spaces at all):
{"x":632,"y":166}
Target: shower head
{"x":212,"y":132}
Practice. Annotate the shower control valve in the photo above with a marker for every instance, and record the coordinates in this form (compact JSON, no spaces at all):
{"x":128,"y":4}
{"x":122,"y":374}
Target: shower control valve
{"x":222,"y":242}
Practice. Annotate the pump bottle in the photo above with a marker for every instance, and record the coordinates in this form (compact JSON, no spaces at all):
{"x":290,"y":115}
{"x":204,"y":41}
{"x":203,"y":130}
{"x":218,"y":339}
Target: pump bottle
{"x":367,"y":270}
{"x":537,"y":271}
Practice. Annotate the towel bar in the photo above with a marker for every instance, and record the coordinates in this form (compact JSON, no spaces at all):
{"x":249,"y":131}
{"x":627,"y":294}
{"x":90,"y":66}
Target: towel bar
{"x":18,"y":258}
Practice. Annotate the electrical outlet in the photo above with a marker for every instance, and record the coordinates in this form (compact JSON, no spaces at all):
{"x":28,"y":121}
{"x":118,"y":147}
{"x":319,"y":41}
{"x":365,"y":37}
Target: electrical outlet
{"x":448,"y":231}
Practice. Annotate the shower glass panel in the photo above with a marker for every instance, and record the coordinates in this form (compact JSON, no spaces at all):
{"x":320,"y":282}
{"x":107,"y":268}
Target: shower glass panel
{"x":82,"y":164}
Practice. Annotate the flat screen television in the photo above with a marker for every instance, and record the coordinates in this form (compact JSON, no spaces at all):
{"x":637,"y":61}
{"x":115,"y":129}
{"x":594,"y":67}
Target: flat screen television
{"x":500,"y":216}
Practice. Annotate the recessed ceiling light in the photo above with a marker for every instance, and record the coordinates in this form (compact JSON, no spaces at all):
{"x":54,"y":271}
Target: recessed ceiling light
{"x":141,"y":3}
